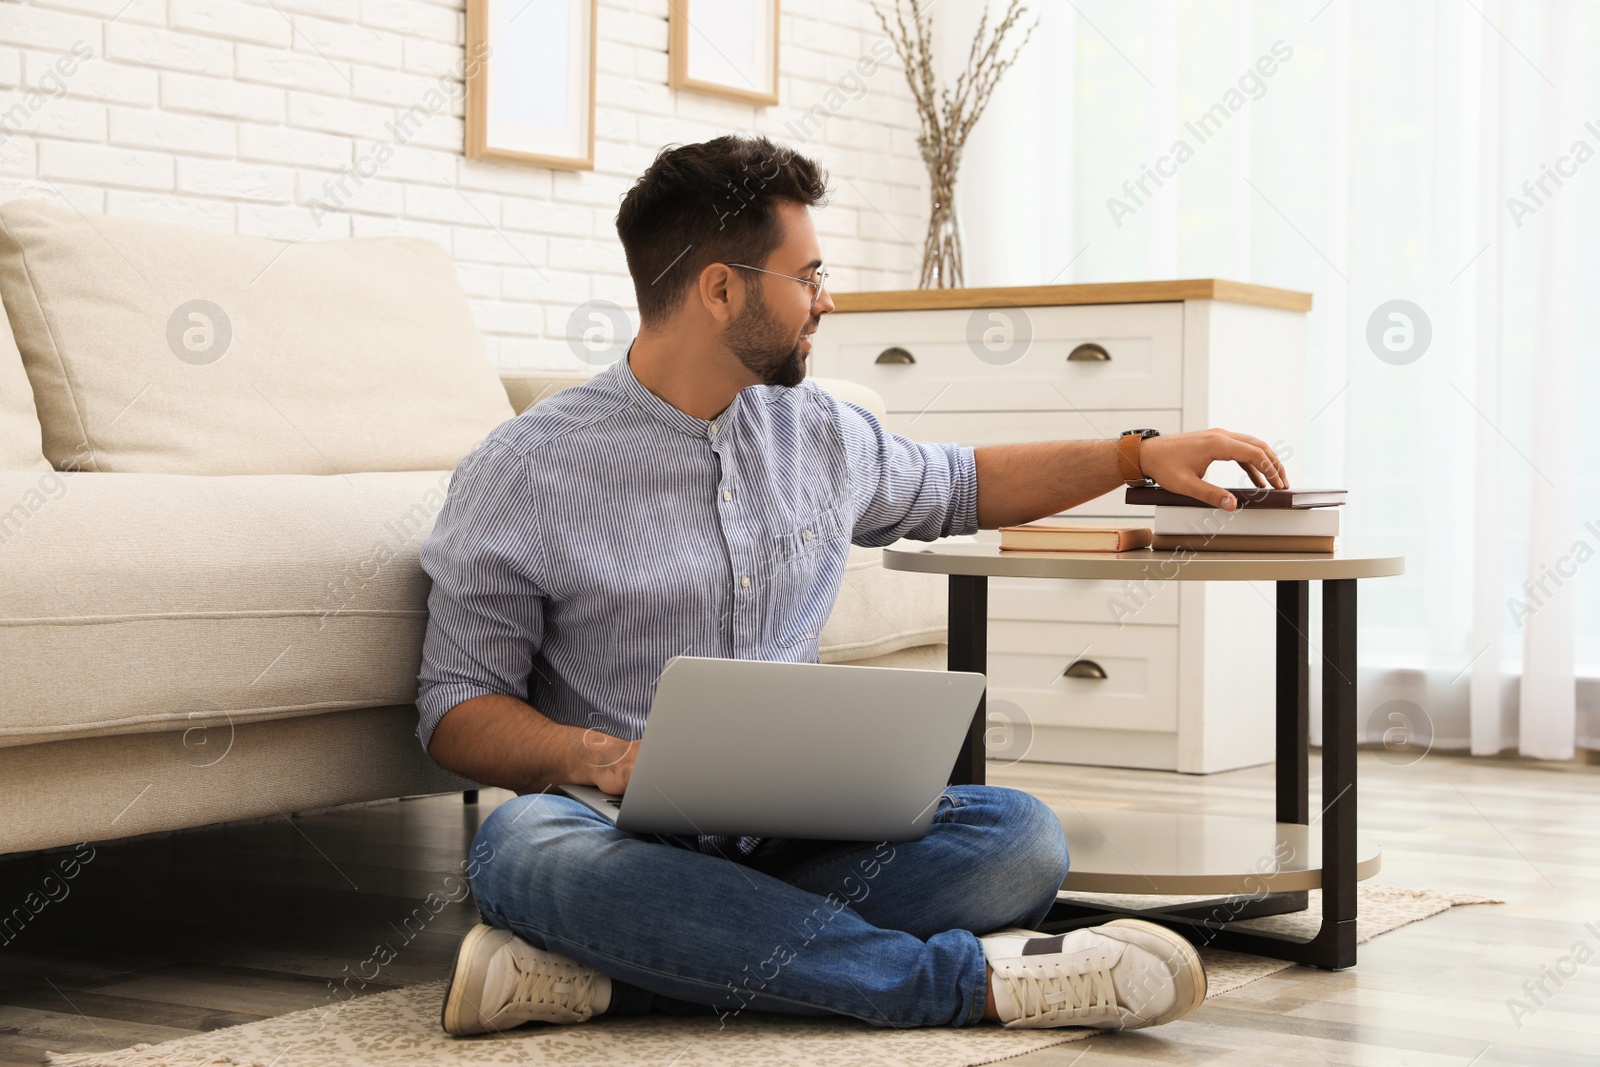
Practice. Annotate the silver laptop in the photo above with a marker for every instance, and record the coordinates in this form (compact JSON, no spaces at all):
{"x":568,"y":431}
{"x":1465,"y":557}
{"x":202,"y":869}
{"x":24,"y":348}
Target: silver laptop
{"x":803,"y":750}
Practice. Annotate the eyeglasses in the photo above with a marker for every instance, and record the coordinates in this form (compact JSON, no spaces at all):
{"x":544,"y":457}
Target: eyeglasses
{"x":816,"y":286}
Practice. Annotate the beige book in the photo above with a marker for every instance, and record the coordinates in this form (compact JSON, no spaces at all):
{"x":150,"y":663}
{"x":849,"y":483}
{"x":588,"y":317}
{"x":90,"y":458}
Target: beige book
{"x":1059,"y":537}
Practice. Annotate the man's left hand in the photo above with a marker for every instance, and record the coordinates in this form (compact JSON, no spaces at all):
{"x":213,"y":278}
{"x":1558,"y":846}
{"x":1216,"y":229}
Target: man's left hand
{"x":1178,"y":462}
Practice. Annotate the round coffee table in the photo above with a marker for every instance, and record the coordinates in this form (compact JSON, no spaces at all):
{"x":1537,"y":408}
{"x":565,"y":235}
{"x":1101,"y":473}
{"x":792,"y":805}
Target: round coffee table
{"x":1341,"y":861}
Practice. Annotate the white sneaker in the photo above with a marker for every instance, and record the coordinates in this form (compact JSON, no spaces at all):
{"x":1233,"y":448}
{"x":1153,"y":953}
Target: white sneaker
{"x":500,"y":981}
{"x":1121,"y":976}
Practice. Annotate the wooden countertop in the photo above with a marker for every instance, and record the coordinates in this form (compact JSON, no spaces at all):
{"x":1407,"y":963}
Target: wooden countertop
{"x":1098,"y":293}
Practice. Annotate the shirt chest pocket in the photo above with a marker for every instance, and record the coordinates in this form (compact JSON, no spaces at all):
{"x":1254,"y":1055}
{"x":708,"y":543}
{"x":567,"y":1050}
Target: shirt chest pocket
{"x":797,"y":555}
{"x":823,"y":527}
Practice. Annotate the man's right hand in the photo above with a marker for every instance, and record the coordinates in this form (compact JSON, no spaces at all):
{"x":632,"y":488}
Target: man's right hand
{"x":607,"y":761}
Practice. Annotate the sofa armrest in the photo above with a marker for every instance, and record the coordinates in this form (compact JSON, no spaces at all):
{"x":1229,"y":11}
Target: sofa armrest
{"x":527,"y":387}
{"x":856,"y":393}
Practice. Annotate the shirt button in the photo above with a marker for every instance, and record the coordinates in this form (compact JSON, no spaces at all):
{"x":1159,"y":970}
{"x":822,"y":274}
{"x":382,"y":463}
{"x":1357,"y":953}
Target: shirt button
{"x":727,"y":494}
{"x":713,"y":428}
{"x":808,"y":535}
{"x":745,"y":581}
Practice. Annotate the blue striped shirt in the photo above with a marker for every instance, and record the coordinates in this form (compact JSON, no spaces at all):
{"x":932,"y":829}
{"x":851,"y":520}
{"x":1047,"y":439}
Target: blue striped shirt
{"x":604,"y":531}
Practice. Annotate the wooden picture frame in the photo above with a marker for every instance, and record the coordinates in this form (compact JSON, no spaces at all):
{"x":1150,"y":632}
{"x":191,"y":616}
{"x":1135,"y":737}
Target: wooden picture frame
{"x":726,"y":48}
{"x":529,"y":73}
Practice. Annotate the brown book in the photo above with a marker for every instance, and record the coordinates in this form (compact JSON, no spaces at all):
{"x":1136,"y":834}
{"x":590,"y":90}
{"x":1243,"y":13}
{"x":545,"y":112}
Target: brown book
{"x":1245,"y":497}
{"x":1243,"y":542}
{"x":1060,"y":537}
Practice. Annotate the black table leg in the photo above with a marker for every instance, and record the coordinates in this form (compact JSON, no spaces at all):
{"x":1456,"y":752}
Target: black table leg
{"x":1292,"y":682}
{"x":969,"y":651}
{"x":1336,"y":942}
{"x":1293,"y":702}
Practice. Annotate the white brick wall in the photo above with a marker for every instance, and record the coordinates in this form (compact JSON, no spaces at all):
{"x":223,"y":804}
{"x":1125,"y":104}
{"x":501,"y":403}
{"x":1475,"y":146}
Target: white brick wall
{"x":233,"y":116}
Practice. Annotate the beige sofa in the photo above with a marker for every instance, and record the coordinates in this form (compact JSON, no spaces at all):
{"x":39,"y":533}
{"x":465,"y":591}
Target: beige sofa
{"x":218,"y":458}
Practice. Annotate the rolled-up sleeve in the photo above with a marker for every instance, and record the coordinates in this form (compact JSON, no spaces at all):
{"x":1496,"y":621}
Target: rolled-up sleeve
{"x":486,"y":607}
{"x":905,"y":488}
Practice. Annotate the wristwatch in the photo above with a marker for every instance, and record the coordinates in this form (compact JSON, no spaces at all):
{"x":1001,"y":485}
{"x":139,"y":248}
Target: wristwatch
{"x":1128,"y":446}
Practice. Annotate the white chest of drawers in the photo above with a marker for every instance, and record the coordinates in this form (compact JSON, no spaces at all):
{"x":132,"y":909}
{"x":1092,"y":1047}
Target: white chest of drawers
{"x":1175,"y":676}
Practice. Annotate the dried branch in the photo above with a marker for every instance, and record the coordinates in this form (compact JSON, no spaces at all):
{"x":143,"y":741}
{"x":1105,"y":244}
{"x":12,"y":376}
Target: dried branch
{"x":946,"y":115}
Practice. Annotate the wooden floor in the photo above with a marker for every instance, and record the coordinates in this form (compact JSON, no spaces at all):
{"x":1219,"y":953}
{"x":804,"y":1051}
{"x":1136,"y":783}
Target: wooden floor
{"x":159,"y":938}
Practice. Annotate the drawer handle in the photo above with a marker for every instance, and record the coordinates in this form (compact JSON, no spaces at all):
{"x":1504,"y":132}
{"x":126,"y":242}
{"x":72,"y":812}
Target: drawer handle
{"x":1084,"y":668}
{"x":1089,"y":351}
{"x":895,"y":355}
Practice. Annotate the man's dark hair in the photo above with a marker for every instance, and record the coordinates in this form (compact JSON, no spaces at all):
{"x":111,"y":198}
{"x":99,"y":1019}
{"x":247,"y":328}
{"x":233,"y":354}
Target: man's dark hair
{"x":713,"y":202}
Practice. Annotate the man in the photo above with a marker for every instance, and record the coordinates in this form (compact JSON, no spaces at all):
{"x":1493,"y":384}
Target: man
{"x":700,"y":497}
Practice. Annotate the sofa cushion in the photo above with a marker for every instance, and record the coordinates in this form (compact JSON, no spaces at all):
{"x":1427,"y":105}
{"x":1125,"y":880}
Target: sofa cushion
{"x":136,"y":602}
{"x":528,"y":387}
{"x":880,"y":611}
{"x":19,"y":421}
{"x":165,"y":349}
{"x":140,"y":602}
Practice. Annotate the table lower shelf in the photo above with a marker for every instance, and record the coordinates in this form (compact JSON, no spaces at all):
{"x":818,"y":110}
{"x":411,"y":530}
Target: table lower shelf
{"x":1197,"y":874}
{"x":1115,"y":850}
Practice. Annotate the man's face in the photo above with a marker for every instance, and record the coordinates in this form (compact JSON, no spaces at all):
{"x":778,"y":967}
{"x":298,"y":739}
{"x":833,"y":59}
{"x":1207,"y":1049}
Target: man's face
{"x":770,"y":336}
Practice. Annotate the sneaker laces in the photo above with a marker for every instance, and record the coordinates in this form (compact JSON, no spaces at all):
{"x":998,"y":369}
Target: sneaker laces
{"x":560,"y":984}
{"x":1064,"y":989}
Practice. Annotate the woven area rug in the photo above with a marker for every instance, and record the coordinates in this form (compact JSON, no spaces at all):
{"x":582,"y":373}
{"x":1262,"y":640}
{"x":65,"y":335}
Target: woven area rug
{"x":402,"y":1027}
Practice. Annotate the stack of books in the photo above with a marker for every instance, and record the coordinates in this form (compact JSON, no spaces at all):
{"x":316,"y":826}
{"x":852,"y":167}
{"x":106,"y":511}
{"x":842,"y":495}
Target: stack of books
{"x":1266,"y":520}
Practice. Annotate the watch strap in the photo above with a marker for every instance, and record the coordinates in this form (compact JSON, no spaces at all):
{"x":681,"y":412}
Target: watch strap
{"x":1128,"y":453}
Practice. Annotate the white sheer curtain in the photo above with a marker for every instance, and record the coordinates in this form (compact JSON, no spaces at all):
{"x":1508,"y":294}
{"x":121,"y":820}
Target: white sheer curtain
{"x":1443,"y":153}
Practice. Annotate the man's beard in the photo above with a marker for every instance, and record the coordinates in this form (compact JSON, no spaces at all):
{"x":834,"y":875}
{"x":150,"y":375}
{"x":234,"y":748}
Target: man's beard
{"x":764,"y":345}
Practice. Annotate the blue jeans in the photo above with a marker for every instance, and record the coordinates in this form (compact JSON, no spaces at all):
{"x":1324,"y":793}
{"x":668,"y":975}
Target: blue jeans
{"x":883,"y":932}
